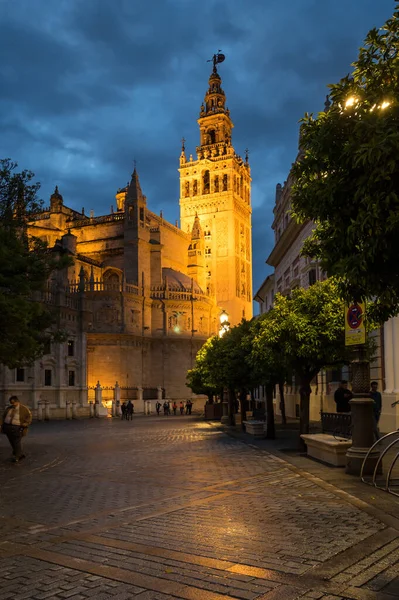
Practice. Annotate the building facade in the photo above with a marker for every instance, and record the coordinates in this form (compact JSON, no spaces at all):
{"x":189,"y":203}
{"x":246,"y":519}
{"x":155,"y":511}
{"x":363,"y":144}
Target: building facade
{"x":217,"y":187}
{"x":293,"y":270}
{"x":143,"y":295}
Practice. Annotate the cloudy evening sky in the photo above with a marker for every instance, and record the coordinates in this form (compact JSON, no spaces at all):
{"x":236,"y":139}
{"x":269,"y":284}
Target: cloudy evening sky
{"x":87,"y":86}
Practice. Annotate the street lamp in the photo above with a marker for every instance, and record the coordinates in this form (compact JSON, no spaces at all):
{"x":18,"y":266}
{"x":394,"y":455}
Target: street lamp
{"x":224,"y":327}
{"x":224,"y":323}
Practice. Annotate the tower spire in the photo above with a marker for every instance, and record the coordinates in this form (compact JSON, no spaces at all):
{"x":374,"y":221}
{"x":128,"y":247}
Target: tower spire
{"x":134,"y":191}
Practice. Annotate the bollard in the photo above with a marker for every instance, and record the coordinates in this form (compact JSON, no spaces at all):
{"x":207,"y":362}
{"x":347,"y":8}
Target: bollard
{"x":362,"y":437}
{"x":68,"y":409}
{"x":117,"y":401}
{"x":99,"y":396}
{"x":91,"y":414}
{"x":74,"y":410}
{"x":47,"y":411}
{"x":39,"y":411}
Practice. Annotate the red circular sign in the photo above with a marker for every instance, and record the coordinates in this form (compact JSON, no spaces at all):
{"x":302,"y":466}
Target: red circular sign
{"x":354,"y":316}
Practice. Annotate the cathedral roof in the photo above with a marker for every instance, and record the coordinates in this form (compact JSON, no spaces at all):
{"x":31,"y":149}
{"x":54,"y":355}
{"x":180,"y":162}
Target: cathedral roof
{"x":180,"y":280}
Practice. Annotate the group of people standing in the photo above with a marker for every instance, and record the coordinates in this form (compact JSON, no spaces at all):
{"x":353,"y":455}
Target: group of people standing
{"x":127,"y":409}
{"x":183,"y":407}
{"x":343,"y":396}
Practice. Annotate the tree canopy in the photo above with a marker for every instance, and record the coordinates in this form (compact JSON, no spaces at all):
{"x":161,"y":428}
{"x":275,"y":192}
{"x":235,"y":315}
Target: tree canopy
{"x":347,"y":175}
{"x":25,"y":266}
{"x":306,"y":331}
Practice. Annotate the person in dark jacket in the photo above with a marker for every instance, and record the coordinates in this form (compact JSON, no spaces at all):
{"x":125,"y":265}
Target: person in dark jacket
{"x":124,"y":410}
{"x":129,"y":410}
{"x":342,"y":396}
{"x":377,"y":406}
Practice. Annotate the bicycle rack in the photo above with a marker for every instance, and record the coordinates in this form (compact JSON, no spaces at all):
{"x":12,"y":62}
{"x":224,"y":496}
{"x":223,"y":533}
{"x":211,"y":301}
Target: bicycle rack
{"x":373,"y":481}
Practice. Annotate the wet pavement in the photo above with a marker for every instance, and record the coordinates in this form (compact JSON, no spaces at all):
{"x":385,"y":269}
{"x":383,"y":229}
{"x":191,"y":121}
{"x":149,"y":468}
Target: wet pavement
{"x":172,"y":507}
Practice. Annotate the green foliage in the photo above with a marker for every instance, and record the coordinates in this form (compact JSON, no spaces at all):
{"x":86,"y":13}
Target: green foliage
{"x":25,"y":266}
{"x":303,"y":332}
{"x":347,"y":177}
{"x":223,"y":362}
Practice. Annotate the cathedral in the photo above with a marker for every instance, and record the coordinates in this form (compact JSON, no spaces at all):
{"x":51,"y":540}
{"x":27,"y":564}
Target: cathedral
{"x":143,"y":295}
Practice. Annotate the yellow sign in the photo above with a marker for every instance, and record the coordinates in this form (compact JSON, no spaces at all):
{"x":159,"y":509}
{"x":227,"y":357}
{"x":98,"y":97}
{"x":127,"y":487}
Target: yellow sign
{"x":355,"y":331}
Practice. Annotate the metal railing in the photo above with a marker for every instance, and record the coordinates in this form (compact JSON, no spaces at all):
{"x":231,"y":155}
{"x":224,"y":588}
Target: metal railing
{"x":338,"y":424}
{"x":387,"y":483}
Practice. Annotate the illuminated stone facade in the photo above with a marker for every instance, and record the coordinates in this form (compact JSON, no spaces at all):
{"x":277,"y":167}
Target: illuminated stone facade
{"x":216,"y":187}
{"x":143,"y":295}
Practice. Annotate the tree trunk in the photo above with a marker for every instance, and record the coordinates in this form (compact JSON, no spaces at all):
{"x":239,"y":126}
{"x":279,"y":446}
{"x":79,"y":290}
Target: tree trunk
{"x":231,"y":406}
{"x":304,"y":409}
{"x":282,"y":402}
{"x":243,"y":406}
{"x":270,"y":429}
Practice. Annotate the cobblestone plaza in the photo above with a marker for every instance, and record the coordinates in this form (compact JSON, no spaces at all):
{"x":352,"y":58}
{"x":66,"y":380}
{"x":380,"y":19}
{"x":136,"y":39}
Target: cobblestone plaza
{"x":173,"y":508}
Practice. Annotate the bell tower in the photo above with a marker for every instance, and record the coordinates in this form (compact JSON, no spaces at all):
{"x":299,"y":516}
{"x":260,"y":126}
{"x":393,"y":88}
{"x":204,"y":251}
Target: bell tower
{"x":215,"y":188}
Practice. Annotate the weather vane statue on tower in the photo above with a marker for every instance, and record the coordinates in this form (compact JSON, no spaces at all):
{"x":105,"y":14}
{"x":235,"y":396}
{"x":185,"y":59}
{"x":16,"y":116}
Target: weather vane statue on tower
{"x":217,"y":58}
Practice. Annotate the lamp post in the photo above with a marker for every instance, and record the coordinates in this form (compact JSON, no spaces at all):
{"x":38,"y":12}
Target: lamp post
{"x":224,"y":327}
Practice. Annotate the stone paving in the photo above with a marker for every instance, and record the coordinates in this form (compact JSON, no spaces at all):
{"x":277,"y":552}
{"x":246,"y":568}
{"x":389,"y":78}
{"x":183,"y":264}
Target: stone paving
{"x":173,"y":508}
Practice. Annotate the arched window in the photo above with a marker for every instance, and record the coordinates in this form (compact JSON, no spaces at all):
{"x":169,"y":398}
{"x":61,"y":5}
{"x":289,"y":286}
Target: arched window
{"x":225,"y":182}
{"x":211,"y":137}
{"x":216,"y":183}
{"x":111,"y":280}
{"x":195,"y":187}
{"x":206,"y":182}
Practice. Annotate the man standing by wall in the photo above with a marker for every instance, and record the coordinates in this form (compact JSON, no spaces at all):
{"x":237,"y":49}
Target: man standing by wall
{"x":342,"y":396}
{"x":376,"y":396}
{"x":14,"y":424}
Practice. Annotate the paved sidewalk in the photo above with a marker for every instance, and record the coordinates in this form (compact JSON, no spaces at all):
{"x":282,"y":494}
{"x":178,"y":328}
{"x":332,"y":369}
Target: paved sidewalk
{"x":174,"y":508}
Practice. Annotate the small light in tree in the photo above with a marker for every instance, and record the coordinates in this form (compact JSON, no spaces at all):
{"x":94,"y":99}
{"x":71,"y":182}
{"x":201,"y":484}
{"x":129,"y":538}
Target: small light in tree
{"x":385,"y":104}
{"x":350,"y":101}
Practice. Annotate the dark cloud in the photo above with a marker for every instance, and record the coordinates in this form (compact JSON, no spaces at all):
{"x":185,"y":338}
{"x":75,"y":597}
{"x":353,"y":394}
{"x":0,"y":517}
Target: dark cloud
{"x":87,"y":87}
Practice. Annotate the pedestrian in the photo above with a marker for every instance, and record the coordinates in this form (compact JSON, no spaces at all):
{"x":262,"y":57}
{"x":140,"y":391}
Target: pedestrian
{"x":376,"y":397}
{"x":129,"y":410}
{"x":174,"y":406}
{"x":14,"y":424}
{"x":190,"y":407}
{"x":342,"y":396}
{"x":166,"y":408}
{"x":181,"y":408}
{"x":123,"y":409}
{"x":158,"y":407}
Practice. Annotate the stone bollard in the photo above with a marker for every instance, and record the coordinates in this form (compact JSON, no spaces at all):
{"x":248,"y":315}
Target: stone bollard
{"x":225,"y":407}
{"x":362,"y":437}
{"x":113,"y":408}
{"x":74,"y":410}
{"x":91,"y":414}
{"x":98,"y":396}
{"x":117,"y":401}
{"x":47,"y":410}
{"x":68,"y":409}
{"x":40,"y":411}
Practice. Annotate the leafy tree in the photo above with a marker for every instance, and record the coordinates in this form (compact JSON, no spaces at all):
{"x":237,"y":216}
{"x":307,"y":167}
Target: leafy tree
{"x":197,"y":380}
{"x":270,"y":365}
{"x":306,"y":330}
{"x":347,"y":177}
{"x":223,"y":363}
{"x":25,"y":266}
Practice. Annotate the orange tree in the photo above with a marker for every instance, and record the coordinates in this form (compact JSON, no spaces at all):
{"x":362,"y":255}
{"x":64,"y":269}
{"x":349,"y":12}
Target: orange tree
{"x":305,"y":333}
{"x":347,"y":178}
